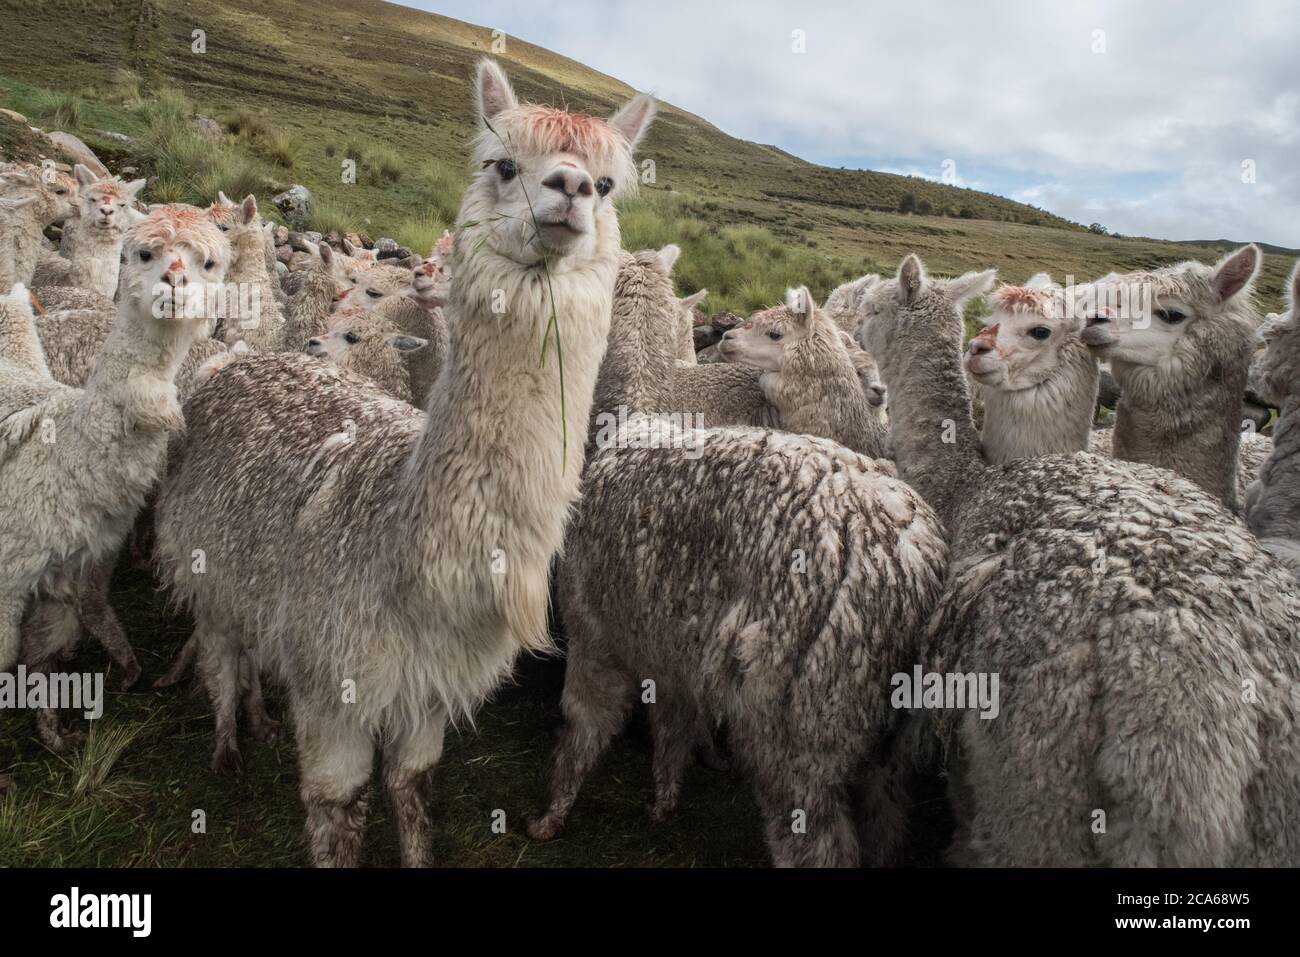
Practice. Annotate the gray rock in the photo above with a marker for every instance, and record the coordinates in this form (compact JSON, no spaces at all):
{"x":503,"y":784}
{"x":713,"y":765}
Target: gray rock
{"x":385,"y":247}
{"x":78,"y":151}
{"x":284,"y":254}
{"x":1107,"y":390}
{"x":313,"y":236}
{"x":281,"y":235}
{"x":295,"y":204}
{"x":723,"y":321}
{"x":110,"y":134}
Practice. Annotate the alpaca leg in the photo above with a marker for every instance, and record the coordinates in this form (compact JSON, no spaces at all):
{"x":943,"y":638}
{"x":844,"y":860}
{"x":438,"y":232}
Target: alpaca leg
{"x":218,"y":664}
{"x":673,"y":726}
{"x":99,"y":619}
{"x":408,"y":769}
{"x":335,"y":757}
{"x":805,"y":803}
{"x":263,"y":727}
{"x":180,"y":664}
{"x":596,"y":701}
{"x":52,"y":629}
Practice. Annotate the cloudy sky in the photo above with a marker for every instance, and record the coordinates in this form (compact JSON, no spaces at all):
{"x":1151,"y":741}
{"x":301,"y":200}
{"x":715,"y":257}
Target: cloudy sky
{"x":1172,"y":119}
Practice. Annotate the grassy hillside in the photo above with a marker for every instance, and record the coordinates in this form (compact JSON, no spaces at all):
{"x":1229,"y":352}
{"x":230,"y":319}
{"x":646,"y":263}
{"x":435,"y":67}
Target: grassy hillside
{"x":389,"y":86}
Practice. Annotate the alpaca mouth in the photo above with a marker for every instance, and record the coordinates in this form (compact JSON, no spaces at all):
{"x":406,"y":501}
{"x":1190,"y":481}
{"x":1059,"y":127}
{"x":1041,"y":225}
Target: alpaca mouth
{"x":563,"y":224}
{"x":1098,"y":336}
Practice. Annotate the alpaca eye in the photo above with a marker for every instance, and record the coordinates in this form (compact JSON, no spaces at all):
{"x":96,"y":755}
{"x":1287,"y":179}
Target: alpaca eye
{"x":774,"y":335}
{"x":60,"y":192}
{"x":374,"y":294}
{"x":507,"y":169}
{"x":1171,"y":316}
{"x":604,"y":185}
{"x":209,"y":264}
{"x":145,"y":255}
{"x":351,"y":338}
{"x":224,"y":229}
{"x":1040,"y":332}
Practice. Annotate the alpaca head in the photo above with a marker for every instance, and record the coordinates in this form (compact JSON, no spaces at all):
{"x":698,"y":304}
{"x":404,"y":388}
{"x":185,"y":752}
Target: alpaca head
{"x":367,"y":282}
{"x":1169,"y":315}
{"x":107,"y":204}
{"x":359,"y":253}
{"x":354,"y":335}
{"x":913,"y":314}
{"x":1275,"y":373}
{"x":50,"y":194}
{"x":767,"y":339}
{"x":175,"y":257}
{"x":240,"y":224}
{"x":546,"y":179}
{"x":846,"y":299}
{"x":1025,"y":338}
{"x":429,"y":282}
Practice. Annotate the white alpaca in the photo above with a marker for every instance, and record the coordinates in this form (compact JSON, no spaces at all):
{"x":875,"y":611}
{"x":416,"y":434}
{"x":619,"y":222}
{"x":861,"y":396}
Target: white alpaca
{"x":76,"y":464}
{"x":1036,"y":378}
{"x":259,"y":322}
{"x":370,"y":345}
{"x":30,"y":199}
{"x":809,"y":375}
{"x":388,"y":565}
{"x":1123,"y":609}
{"x":1179,"y":340}
{"x":92,"y":241}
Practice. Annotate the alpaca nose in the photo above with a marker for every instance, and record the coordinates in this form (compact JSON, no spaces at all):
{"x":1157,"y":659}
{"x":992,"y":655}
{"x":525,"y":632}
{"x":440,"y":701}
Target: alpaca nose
{"x":176,"y":273}
{"x":979,"y":347}
{"x":570,"y":181}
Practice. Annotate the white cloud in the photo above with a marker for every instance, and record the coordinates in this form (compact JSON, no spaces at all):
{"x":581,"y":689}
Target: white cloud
{"x":1183,"y":93}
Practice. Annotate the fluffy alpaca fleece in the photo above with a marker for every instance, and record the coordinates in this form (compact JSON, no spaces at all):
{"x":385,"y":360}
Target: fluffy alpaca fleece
{"x":264,"y":330}
{"x":1124,"y":610}
{"x":686,"y":327}
{"x":845,"y":301}
{"x":1182,"y":369}
{"x":307,"y":314}
{"x":1273,"y":502}
{"x":809,"y":376}
{"x":76,"y":464}
{"x":369,"y":345}
{"x":779,"y":605}
{"x":368,"y":282}
{"x":426,"y":539}
{"x":30,"y":199}
{"x":1036,"y":378}
{"x":224,"y":213}
{"x":92,"y":240}
{"x":722,"y":394}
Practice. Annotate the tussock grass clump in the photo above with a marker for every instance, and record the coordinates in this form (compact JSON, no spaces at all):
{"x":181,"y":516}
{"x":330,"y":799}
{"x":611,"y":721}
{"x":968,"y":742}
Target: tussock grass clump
{"x":187,"y":167}
{"x":445,"y":185}
{"x":327,"y":217}
{"x":65,"y":111}
{"x":421,"y":231}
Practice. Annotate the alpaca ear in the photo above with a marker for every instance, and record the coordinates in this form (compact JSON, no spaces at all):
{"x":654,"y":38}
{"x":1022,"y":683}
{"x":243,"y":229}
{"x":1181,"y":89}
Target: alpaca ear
{"x":132,"y":188}
{"x":248,"y":209}
{"x":493,"y":94}
{"x":405,"y":343}
{"x":691,"y":301}
{"x":911,"y":279}
{"x":800,"y":303}
{"x":348,"y":248}
{"x":634,"y":118}
{"x":16,"y":203}
{"x":1236,"y":272}
{"x":971,"y":284}
{"x":1039,"y":280}
{"x":668,"y":256}
{"x":84,"y":175}
{"x":223,"y":199}
{"x":326,"y":253}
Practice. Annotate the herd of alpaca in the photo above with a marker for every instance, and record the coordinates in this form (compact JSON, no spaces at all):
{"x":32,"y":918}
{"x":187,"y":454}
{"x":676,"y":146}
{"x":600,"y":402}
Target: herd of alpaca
{"x":361,"y":483}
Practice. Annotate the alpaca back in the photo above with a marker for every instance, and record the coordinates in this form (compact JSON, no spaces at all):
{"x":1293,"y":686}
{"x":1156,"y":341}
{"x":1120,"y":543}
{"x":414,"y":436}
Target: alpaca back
{"x":1114,"y":551}
{"x":723,"y":395}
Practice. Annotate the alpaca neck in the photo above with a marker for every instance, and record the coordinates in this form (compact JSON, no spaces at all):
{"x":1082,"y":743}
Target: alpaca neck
{"x":137,"y":365}
{"x":636,"y":374}
{"x":821,"y":388}
{"x":1054,"y":415}
{"x":490,"y":477}
{"x":1192,"y":428}
{"x":932,"y":435}
{"x":1284,"y":462}
{"x":96,"y":256}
